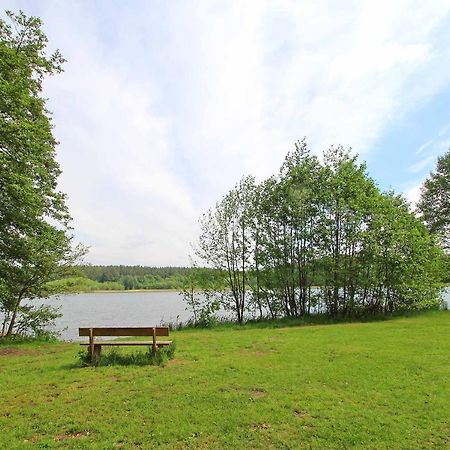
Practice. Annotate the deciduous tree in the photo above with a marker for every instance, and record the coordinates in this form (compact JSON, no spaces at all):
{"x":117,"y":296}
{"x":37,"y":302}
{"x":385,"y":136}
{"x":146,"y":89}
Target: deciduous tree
{"x":434,"y":202}
{"x":35,"y":240}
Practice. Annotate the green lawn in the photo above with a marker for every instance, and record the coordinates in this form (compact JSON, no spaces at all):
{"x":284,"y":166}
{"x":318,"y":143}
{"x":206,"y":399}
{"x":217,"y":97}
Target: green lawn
{"x":359,"y":385}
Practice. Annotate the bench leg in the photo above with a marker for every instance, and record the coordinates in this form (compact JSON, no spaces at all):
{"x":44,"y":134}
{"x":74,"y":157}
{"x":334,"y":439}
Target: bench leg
{"x":97,"y":351}
{"x":91,"y":343}
{"x":154,"y":346}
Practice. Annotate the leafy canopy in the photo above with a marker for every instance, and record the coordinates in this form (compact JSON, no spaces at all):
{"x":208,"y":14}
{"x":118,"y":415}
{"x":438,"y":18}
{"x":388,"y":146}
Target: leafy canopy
{"x":35,"y":240}
{"x":435,"y":201}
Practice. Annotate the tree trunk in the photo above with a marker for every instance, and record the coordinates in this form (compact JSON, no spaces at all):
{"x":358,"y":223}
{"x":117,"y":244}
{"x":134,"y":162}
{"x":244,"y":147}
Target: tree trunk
{"x":13,"y":318}
{"x":5,"y":321}
{"x":258,"y":292}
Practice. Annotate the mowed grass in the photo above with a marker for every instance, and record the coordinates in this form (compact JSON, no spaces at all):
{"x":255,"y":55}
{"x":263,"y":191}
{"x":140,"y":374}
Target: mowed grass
{"x":360,"y":385}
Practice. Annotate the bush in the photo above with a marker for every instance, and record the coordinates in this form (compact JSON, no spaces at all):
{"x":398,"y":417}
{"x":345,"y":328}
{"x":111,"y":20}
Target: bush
{"x":33,"y":323}
{"x":115,"y":357}
{"x":44,"y":337}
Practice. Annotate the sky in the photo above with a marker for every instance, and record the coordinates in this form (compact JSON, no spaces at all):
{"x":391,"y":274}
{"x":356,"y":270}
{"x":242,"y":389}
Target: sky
{"x":164,"y":105}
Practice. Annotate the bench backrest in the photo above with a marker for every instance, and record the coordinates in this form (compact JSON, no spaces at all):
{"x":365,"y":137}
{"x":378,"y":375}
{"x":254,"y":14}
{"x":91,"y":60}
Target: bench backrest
{"x":121,"y":331}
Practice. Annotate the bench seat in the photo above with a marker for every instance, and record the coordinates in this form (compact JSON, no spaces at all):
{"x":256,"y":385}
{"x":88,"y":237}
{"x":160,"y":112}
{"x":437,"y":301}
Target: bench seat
{"x":95,"y":347}
{"x":147,"y":343}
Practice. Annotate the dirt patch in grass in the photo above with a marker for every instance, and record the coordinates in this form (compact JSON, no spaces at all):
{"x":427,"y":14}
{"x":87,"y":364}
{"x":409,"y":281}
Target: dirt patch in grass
{"x":259,"y":426}
{"x":258,"y":392}
{"x":301,"y":413}
{"x":64,"y":436}
{"x":176,"y":362}
{"x":253,"y":353}
{"x":11,"y":351}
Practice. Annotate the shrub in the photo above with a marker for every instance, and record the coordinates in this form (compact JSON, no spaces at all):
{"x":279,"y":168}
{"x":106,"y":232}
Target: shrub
{"x":115,"y":357}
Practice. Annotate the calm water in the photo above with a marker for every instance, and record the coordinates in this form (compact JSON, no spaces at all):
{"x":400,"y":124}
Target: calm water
{"x":117,"y":309}
{"x":123,"y":309}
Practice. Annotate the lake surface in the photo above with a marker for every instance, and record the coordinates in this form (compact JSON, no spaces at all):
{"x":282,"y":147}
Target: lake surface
{"x":123,"y":309}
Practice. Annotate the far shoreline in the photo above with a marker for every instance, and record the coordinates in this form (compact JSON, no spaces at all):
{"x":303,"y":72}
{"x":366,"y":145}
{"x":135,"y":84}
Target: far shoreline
{"x":106,"y":291}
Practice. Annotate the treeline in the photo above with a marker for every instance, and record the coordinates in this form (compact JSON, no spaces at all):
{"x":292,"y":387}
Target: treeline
{"x":114,"y":273}
{"x":92,"y":278}
{"x":318,"y":237}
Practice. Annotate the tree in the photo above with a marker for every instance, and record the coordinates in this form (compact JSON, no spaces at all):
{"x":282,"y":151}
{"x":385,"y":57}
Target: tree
{"x":226,"y":241}
{"x":201,"y":291}
{"x":347,"y":202}
{"x":35,"y":240}
{"x":401,"y":259}
{"x":288,"y":216}
{"x":326,"y":225}
{"x":434,"y":202}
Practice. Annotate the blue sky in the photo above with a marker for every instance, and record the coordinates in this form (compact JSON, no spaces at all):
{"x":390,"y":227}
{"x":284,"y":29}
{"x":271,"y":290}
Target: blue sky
{"x":164,"y":106}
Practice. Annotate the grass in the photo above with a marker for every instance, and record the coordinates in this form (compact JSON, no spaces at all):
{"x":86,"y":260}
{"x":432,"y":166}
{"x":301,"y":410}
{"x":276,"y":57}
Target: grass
{"x":378,"y":385}
{"x":137,"y":358}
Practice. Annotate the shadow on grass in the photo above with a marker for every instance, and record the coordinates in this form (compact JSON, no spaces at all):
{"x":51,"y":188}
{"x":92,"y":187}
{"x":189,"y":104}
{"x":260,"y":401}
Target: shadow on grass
{"x":307,"y":320}
{"x":116,"y":358}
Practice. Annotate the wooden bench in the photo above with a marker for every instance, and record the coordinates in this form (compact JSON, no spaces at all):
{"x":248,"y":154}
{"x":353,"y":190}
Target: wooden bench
{"x":95,"y":347}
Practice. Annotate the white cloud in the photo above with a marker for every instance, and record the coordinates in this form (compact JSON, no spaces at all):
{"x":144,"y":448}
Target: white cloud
{"x":412,"y":194}
{"x":422,"y":164}
{"x":115,"y":151}
{"x":424,"y":146}
{"x":432,"y":149}
{"x":162,"y":108}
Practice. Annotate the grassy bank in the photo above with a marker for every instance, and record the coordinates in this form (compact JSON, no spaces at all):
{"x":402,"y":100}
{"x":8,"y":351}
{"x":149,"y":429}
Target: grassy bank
{"x":359,"y":385}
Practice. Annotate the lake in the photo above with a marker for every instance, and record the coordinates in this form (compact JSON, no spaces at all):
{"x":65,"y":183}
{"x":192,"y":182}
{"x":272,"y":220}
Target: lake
{"x":117,"y":309}
{"x":123,"y":309}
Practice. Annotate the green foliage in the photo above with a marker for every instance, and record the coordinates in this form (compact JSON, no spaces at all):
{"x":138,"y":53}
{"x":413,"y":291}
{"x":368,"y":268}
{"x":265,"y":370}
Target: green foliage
{"x":35,"y":320}
{"x":116,"y":273}
{"x":446,"y":268}
{"x":35,"y":245}
{"x":206,"y":315}
{"x":320,"y":237}
{"x":225,"y":241}
{"x":83,"y":284}
{"x":116,"y":357}
{"x":202,"y":291}
{"x":435,"y":201}
{"x":125,"y":278}
{"x":92,"y":278}
{"x":39,"y":337}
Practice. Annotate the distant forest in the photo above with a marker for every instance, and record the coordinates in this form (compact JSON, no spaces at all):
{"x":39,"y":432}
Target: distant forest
{"x":92,"y":278}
